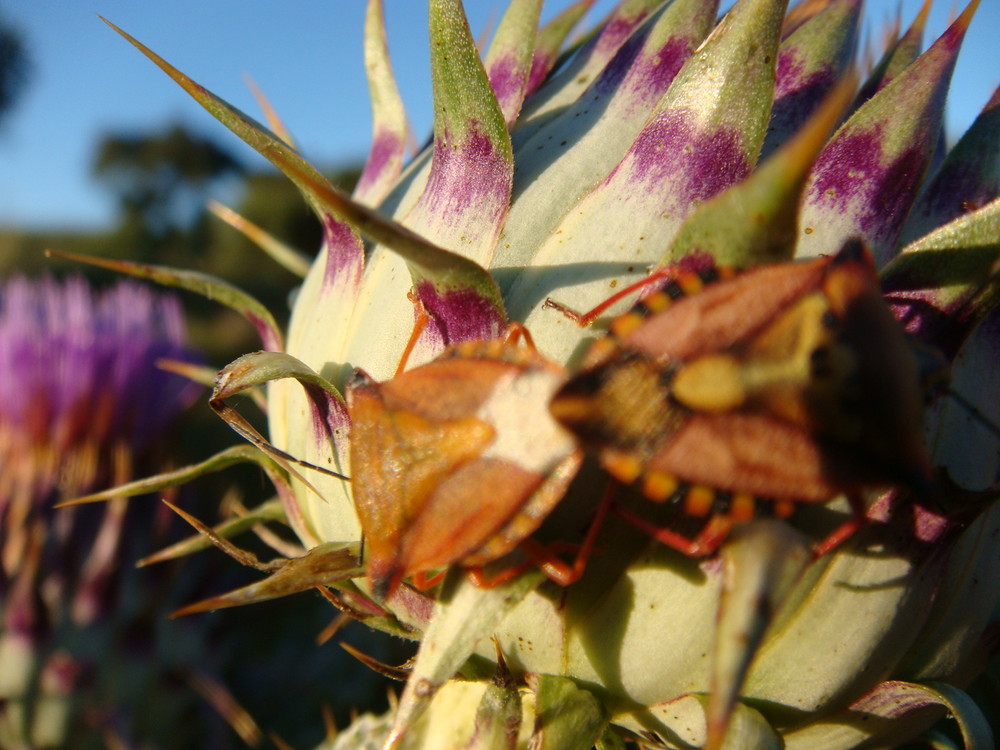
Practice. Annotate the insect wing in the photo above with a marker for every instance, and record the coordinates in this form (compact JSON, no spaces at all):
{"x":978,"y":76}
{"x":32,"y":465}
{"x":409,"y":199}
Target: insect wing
{"x":790,"y":381}
{"x":757,"y":455}
{"x":717,"y":317}
{"x":398,"y":459}
{"x":458,"y":460}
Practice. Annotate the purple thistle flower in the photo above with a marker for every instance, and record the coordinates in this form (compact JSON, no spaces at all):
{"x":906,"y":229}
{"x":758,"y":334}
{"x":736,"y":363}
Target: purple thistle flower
{"x":81,"y":398}
{"x":81,"y":402}
{"x":78,"y":380}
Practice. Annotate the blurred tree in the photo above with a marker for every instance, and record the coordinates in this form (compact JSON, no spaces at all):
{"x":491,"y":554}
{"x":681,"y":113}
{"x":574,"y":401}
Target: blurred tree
{"x":161,"y":181}
{"x":14,"y":67}
{"x":274,"y":204}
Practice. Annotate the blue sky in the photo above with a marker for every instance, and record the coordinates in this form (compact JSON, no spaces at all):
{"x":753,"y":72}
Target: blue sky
{"x":305,"y":54}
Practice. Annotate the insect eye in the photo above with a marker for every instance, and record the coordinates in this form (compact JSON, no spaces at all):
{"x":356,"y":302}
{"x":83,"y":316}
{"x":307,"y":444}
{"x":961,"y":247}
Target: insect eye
{"x":829,"y":319}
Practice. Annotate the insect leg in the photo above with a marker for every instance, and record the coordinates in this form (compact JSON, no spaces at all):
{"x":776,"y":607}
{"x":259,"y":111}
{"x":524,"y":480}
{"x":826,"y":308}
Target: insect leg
{"x":846,"y":530}
{"x":423,"y":581}
{"x":707,"y":541}
{"x":516,"y":332}
{"x":419,"y":324}
{"x":544,"y":556}
{"x":585,"y":319}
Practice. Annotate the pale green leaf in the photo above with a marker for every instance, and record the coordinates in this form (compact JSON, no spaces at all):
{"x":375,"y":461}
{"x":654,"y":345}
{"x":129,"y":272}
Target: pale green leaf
{"x":467,"y":194}
{"x":576,"y":150}
{"x":867,"y":177}
{"x":572,"y":80}
{"x":948,"y":265}
{"x":704,"y":136}
{"x":566,"y":716}
{"x":811,"y":661}
{"x":449,"y":721}
{"x":892,"y":713}
{"x":965,"y":445}
{"x":811,"y":60}
{"x":464,"y":616}
{"x":498,"y":717}
{"x":550,"y":39}
{"x":682,"y":723}
{"x":258,"y":368}
{"x":898,"y":55}
{"x":509,"y":58}
{"x":969,"y":177}
{"x":955,"y":642}
{"x":200,"y":283}
{"x":230,"y":456}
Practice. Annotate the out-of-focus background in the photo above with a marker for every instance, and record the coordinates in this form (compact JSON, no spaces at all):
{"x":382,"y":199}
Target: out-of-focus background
{"x":100,"y":153}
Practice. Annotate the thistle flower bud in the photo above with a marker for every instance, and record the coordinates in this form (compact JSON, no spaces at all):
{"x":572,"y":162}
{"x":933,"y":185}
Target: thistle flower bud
{"x":552,"y":187}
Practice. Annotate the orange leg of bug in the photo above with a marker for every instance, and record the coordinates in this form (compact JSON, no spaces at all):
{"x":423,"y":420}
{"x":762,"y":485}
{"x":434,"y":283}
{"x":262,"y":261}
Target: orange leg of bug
{"x":539,"y":556}
{"x":419,"y":324}
{"x":585,"y":319}
{"x":545,"y":557}
{"x":717,"y":529}
{"x":846,"y":530}
{"x":423,"y":581}
{"x":706,"y":542}
{"x":516,"y":332}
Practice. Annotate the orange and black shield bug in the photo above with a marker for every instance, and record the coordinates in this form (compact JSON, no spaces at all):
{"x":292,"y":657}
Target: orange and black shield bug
{"x":789,"y":382}
{"x":457,"y":461}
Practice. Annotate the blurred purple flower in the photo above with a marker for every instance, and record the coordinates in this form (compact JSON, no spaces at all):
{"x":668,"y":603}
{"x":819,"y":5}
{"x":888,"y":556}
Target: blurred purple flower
{"x":82,"y":401}
{"x":78,"y":381}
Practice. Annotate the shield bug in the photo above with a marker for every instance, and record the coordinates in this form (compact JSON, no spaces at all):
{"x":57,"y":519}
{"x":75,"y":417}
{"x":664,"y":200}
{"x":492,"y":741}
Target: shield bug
{"x":458,"y":461}
{"x":790,"y":382}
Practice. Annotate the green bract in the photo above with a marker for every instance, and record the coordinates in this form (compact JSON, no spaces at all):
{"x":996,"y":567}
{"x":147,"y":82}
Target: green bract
{"x":664,"y":135}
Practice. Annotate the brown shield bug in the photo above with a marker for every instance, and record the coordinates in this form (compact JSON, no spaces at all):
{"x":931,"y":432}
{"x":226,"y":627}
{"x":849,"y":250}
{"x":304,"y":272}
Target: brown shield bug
{"x":790,"y":382}
{"x":458,"y":461}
